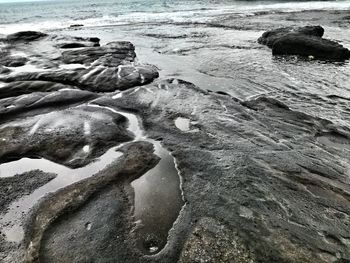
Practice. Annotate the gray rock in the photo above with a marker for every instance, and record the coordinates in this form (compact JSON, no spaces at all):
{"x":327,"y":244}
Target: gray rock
{"x":13,"y":188}
{"x":262,"y":170}
{"x":93,"y":211}
{"x":303,"y":41}
{"x":13,"y":61}
{"x":25,"y":36}
{"x":102,"y":68}
{"x":18,"y":88}
{"x":268,"y":38}
{"x":68,"y":131}
{"x":314,"y":47}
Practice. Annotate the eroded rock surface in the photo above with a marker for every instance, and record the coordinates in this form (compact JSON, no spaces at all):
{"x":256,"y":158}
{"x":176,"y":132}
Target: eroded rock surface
{"x":21,"y":184}
{"x":258,"y":167}
{"x":261,"y":182}
{"x":74,"y":213}
{"x":75,"y":61}
{"x":72,"y":137}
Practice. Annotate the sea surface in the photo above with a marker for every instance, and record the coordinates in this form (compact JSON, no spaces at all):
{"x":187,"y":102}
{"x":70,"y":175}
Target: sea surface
{"x":44,"y":15}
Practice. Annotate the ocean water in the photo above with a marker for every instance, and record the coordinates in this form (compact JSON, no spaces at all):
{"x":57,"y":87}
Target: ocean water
{"x":47,"y":15}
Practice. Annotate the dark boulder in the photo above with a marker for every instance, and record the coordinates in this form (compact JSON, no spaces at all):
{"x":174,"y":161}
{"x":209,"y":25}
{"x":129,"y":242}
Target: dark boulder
{"x":320,"y":48}
{"x":4,"y":70}
{"x":72,"y":45}
{"x":94,"y":39}
{"x":303,"y":41}
{"x":269,"y":37}
{"x":13,"y":61}
{"x":25,"y":36}
{"x":74,"y":42}
{"x":76,"y":25}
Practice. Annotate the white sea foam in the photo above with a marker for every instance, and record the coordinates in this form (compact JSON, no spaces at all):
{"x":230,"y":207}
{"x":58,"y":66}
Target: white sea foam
{"x":196,"y":15}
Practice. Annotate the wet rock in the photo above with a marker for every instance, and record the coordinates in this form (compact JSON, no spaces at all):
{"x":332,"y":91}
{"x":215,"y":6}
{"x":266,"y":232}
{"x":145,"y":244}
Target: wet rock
{"x":41,"y":102}
{"x":76,"y":25}
{"x":4,"y":70}
{"x":72,"y":45}
{"x":93,"y":211}
{"x":67,"y":42}
{"x":104,"y":79}
{"x":303,"y":41}
{"x":17,"y":88}
{"x":318,"y":48}
{"x":14,"y":187}
{"x":86,"y":65}
{"x":263,"y":172}
{"x":13,"y":61}
{"x":78,"y":135}
{"x":120,"y":51}
{"x":269,"y":37}
{"x":25,"y":36}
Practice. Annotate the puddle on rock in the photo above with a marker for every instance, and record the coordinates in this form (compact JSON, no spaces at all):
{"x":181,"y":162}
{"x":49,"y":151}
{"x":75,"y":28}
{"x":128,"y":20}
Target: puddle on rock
{"x":158,"y":196}
{"x":11,"y":221}
{"x":182,"y":124}
{"x":158,"y":201}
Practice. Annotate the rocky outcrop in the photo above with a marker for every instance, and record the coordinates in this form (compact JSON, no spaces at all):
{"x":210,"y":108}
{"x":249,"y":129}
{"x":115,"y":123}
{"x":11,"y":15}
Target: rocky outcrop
{"x":13,"y":61}
{"x":79,"y":62}
{"x":305,"y":42}
{"x":25,"y":36}
{"x":261,"y":181}
{"x":272,"y":180}
{"x":41,"y":102}
{"x":18,"y":88}
{"x":269,"y":38}
{"x":310,"y":47}
{"x":96,"y":209}
{"x":78,"y":135}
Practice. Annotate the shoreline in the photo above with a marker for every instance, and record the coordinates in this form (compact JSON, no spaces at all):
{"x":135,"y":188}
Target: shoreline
{"x":260,"y":143}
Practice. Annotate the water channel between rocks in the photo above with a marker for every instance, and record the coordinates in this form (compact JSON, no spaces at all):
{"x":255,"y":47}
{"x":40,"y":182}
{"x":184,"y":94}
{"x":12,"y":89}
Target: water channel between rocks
{"x":157,"y":201}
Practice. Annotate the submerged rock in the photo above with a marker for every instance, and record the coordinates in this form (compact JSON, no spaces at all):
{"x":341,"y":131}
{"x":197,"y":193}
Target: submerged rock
{"x":304,"y":41}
